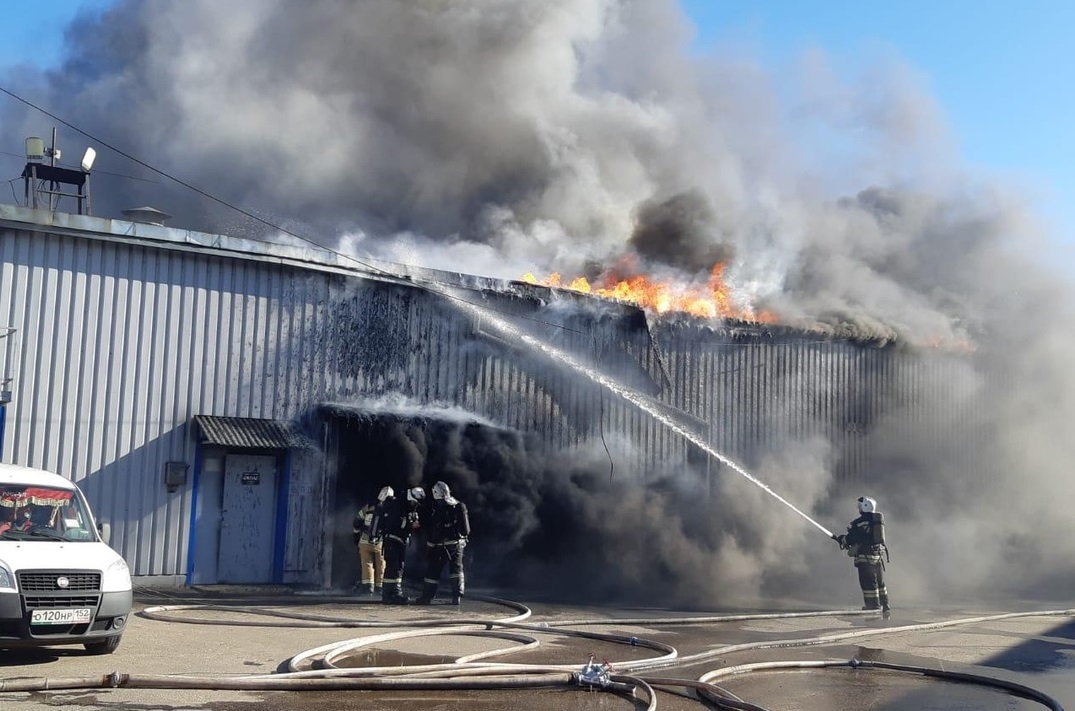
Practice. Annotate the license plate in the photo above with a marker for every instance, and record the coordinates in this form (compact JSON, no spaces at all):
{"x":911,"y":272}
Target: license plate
{"x":60,"y":617}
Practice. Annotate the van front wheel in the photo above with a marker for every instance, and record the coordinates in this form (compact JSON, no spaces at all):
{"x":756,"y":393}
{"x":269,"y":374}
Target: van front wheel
{"x":105,"y":646}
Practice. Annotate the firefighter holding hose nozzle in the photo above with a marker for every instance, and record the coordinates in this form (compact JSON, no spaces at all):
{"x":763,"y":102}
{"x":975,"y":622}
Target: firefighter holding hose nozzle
{"x":865,"y":542}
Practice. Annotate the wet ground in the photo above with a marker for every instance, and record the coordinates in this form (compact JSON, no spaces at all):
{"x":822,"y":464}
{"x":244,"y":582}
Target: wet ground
{"x":1038,"y":652}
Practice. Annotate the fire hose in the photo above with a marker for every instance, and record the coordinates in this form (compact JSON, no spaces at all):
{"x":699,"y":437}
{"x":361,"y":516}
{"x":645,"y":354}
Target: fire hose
{"x":945,"y":674}
{"x":471,"y":672}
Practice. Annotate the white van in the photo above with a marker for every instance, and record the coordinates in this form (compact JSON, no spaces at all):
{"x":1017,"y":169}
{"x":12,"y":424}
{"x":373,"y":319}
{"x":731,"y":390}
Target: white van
{"x":60,"y":583}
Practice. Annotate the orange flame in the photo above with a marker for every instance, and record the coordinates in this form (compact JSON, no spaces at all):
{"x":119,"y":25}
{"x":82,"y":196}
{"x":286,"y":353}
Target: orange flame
{"x":711,"y":301}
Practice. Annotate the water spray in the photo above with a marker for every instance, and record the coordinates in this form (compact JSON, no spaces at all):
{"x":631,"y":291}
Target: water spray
{"x":630,"y":396}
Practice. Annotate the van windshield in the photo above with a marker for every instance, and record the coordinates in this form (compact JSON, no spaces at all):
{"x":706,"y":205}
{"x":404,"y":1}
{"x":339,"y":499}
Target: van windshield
{"x":42,"y":513}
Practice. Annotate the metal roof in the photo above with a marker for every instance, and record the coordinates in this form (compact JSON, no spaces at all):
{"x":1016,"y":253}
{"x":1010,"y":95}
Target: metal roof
{"x":251,"y":433}
{"x":306,"y":256}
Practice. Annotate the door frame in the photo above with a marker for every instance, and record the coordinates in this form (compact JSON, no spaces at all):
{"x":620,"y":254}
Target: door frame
{"x":202,"y":481}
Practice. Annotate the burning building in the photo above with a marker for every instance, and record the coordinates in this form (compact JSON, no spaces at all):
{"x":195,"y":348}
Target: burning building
{"x":227,"y":403}
{"x":158,"y":367}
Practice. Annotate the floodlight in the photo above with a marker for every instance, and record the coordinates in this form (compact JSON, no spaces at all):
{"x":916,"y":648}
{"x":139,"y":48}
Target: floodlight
{"x":87,"y":159}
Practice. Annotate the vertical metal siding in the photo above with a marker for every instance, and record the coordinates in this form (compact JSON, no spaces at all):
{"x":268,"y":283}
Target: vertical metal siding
{"x":119,"y":345}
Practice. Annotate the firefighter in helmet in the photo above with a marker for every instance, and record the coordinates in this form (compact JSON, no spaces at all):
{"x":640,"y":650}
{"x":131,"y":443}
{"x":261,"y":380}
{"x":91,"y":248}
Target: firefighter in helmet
{"x":447,"y":530}
{"x":395,"y":521}
{"x":865,"y":542}
{"x":370,"y":550}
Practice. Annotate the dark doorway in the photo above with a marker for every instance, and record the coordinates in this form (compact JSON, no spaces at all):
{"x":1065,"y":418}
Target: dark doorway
{"x":374,"y":451}
{"x":490,"y":469}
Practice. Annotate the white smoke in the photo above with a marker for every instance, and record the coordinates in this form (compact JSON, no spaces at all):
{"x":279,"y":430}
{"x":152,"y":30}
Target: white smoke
{"x":511,"y":135}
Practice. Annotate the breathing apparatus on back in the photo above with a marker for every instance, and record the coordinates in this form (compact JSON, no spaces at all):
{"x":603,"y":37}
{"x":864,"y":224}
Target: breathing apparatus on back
{"x":867,"y":532}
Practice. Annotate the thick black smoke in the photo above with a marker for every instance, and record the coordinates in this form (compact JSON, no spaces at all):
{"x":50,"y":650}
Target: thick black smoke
{"x":512,"y":135}
{"x":678,"y":232}
{"x":560,"y":526}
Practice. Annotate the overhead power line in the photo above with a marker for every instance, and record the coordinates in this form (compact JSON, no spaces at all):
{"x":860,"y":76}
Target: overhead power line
{"x":270,"y":224}
{"x":204,"y":193}
{"x":147,"y":166}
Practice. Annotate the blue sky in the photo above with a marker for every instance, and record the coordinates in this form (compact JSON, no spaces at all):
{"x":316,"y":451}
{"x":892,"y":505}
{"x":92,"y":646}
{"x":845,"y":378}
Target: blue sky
{"x":33,"y":31}
{"x":1000,"y":71}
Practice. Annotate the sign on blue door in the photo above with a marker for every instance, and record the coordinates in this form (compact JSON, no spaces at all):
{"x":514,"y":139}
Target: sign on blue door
{"x":248,"y":519}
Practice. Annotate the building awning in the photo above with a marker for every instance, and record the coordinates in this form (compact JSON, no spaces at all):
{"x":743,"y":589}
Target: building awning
{"x":251,"y":433}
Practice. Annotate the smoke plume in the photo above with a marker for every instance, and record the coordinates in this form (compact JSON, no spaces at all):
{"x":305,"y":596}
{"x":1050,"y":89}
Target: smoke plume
{"x":529,"y":137}
{"x":512,"y":135}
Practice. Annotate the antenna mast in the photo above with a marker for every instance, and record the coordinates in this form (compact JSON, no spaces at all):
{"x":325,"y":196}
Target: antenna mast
{"x":37,"y":173}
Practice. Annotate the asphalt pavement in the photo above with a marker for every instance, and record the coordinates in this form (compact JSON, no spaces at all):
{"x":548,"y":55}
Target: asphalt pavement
{"x":255,"y":634}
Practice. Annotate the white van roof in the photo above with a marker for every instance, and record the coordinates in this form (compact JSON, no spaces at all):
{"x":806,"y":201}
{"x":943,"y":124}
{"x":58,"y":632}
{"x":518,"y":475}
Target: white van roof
{"x":15,"y":474}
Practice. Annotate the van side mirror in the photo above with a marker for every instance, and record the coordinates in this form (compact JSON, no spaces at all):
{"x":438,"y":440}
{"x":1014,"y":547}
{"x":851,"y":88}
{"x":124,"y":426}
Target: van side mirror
{"x":104,"y":530}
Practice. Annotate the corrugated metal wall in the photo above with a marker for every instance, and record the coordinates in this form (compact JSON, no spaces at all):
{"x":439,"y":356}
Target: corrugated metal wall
{"x":119,"y":345}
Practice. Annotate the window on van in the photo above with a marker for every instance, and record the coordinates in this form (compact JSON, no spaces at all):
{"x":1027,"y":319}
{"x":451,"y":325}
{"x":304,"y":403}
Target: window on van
{"x":42,"y":513}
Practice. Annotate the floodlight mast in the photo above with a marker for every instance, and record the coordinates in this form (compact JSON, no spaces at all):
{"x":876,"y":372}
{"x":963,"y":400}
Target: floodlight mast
{"x":36,"y":173}
{"x":52,"y":157}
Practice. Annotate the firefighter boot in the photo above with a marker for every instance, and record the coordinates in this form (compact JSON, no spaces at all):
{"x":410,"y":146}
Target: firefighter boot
{"x":393,"y":595}
{"x":429,"y":591}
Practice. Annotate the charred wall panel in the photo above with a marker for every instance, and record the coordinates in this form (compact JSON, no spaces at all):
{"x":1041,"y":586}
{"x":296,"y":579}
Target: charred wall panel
{"x":746,"y":390}
{"x":120,"y":344}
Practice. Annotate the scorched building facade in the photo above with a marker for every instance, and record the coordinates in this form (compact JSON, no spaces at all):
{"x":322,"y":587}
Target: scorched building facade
{"x":221,"y":401}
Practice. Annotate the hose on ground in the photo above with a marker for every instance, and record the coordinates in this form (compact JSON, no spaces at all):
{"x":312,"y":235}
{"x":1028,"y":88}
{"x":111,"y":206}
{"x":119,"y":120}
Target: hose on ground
{"x":274,"y":682}
{"x":860,"y":634}
{"x":317,"y":669}
{"x":166,"y":613}
{"x":716,"y":695}
{"x":712,"y":693}
{"x":1011,"y":687}
{"x":721,"y":697}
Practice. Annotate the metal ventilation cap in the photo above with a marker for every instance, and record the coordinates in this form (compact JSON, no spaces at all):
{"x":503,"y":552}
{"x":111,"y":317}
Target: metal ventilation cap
{"x":147,"y":215}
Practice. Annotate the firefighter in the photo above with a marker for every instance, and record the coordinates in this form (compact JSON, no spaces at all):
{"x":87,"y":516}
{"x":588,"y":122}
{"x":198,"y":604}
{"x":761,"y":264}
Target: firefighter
{"x":394,"y":523}
{"x":446,"y":537}
{"x":370,"y":552}
{"x":865,"y":542}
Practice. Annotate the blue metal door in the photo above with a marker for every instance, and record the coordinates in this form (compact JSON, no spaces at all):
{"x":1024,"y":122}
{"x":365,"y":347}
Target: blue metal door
{"x":248,"y":517}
